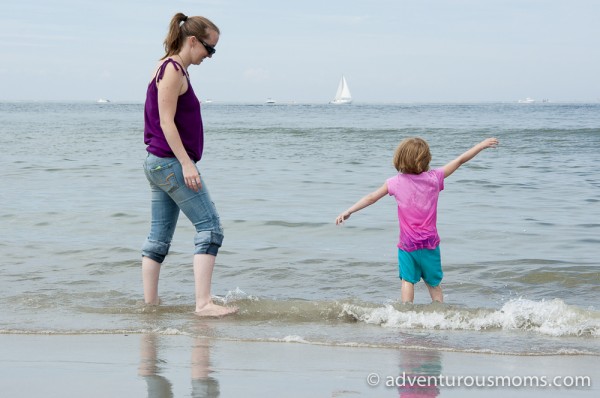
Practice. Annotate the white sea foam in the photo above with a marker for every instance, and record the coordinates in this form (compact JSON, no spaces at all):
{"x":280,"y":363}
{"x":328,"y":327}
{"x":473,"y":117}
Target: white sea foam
{"x":235,"y":295}
{"x":553,"y":318}
{"x":294,"y":339}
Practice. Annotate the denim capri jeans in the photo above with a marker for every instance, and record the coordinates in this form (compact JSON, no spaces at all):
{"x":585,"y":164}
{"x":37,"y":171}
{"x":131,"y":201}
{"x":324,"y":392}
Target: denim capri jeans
{"x":169,"y":195}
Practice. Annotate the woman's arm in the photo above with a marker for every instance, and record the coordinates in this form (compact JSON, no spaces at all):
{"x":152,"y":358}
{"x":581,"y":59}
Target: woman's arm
{"x":362,"y":203}
{"x":169,"y":89}
{"x":470,"y":154}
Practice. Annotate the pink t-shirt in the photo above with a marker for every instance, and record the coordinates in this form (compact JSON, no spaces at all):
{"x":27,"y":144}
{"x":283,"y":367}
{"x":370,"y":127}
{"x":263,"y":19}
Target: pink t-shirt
{"x":417,"y":198}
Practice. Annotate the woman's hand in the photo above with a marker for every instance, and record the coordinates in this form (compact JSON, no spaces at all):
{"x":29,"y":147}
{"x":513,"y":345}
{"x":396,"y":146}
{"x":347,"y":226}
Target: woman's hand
{"x":191,"y":176}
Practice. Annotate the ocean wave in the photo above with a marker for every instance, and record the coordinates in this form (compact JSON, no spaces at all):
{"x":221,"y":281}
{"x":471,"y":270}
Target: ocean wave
{"x":553,"y":318}
{"x":548,"y":317}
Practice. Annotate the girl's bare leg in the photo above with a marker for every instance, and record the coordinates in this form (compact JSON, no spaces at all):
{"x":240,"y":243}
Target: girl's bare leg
{"x":408,"y":292}
{"x":436,"y":293}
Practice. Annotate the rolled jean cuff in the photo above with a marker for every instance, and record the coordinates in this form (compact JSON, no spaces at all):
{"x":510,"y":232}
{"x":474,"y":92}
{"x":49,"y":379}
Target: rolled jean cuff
{"x":208,"y":242}
{"x":155,"y":250}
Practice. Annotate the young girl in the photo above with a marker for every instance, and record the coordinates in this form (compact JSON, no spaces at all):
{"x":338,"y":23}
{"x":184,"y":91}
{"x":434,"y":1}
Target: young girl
{"x":416,"y":189}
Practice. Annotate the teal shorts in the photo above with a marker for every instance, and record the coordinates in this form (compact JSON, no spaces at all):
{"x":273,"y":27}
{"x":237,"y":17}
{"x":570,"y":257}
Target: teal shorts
{"x":422,"y":263}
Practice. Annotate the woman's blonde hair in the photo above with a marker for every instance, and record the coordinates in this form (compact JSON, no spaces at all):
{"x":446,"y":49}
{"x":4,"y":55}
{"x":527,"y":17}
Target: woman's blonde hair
{"x":412,"y":156}
{"x":182,"y":26}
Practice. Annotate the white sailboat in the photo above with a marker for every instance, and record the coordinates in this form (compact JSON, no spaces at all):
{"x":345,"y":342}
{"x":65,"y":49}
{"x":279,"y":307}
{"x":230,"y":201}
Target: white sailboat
{"x":342,"y":96}
{"x":526,"y":101}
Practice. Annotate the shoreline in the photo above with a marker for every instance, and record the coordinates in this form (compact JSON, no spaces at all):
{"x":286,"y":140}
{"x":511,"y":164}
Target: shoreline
{"x":123,"y":365}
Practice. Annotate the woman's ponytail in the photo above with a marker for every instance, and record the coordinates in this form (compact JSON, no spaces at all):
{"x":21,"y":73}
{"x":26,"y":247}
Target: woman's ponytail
{"x":174,"y":39}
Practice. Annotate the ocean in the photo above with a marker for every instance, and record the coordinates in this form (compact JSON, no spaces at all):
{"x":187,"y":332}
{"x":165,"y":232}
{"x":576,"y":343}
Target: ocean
{"x":519,"y":226}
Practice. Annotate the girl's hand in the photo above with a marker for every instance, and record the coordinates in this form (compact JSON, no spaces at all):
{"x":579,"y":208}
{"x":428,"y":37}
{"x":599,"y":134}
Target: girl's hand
{"x":342,"y":217}
{"x":191,"y":176}
{"x":490,"y":143}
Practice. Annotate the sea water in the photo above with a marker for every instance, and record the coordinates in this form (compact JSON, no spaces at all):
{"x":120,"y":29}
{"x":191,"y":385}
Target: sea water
{"x":519,"y":225}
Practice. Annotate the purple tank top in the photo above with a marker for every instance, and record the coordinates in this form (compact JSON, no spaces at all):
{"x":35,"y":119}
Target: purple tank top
{"x":187,"y":119}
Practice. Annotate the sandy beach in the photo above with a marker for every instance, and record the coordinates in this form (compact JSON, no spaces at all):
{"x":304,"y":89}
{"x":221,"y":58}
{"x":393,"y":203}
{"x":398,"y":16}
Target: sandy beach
{"x":138,"y":365}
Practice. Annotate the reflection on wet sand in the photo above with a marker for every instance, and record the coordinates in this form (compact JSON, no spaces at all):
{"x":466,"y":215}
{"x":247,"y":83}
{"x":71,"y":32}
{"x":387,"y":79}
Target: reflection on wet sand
{"x":417,"y":371}
{"x":151,"y":366}
{"x":150,"y":369}
{"x":203,"y":384}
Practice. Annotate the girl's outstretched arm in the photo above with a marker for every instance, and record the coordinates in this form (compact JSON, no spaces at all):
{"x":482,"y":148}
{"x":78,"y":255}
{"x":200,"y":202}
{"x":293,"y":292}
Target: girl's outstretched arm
{"x":470,"y":154}
{"x":362,"y":203}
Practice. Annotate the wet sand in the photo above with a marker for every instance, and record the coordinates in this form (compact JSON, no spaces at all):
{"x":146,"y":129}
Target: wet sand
{"x":151,"y":365}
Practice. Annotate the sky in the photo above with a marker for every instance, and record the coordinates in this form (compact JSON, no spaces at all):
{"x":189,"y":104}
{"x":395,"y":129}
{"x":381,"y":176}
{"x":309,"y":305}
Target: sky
{"x":297,"y":51}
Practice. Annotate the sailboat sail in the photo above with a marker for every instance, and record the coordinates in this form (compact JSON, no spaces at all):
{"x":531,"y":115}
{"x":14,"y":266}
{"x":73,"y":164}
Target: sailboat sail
{"x":342,"y":95}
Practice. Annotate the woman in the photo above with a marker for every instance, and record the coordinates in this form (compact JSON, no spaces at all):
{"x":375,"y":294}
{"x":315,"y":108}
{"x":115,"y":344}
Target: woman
{"x":174,"y":137}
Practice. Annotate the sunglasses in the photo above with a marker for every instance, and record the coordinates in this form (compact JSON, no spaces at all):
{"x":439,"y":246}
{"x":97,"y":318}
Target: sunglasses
{"x":209,"y":49}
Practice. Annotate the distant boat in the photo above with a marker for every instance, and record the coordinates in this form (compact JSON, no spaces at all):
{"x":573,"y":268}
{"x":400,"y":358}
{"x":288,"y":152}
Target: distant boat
{"x":342,"y":96}
{"x":526,"y":101}
{"x":208,"y":101}
{"x":103,"y":101}
{"x":270,"y":101}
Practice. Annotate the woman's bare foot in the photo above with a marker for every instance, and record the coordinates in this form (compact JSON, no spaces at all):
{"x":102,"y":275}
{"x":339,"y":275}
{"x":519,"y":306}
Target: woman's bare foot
{"x":155,"y":302}
{"x":213,"y":310}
